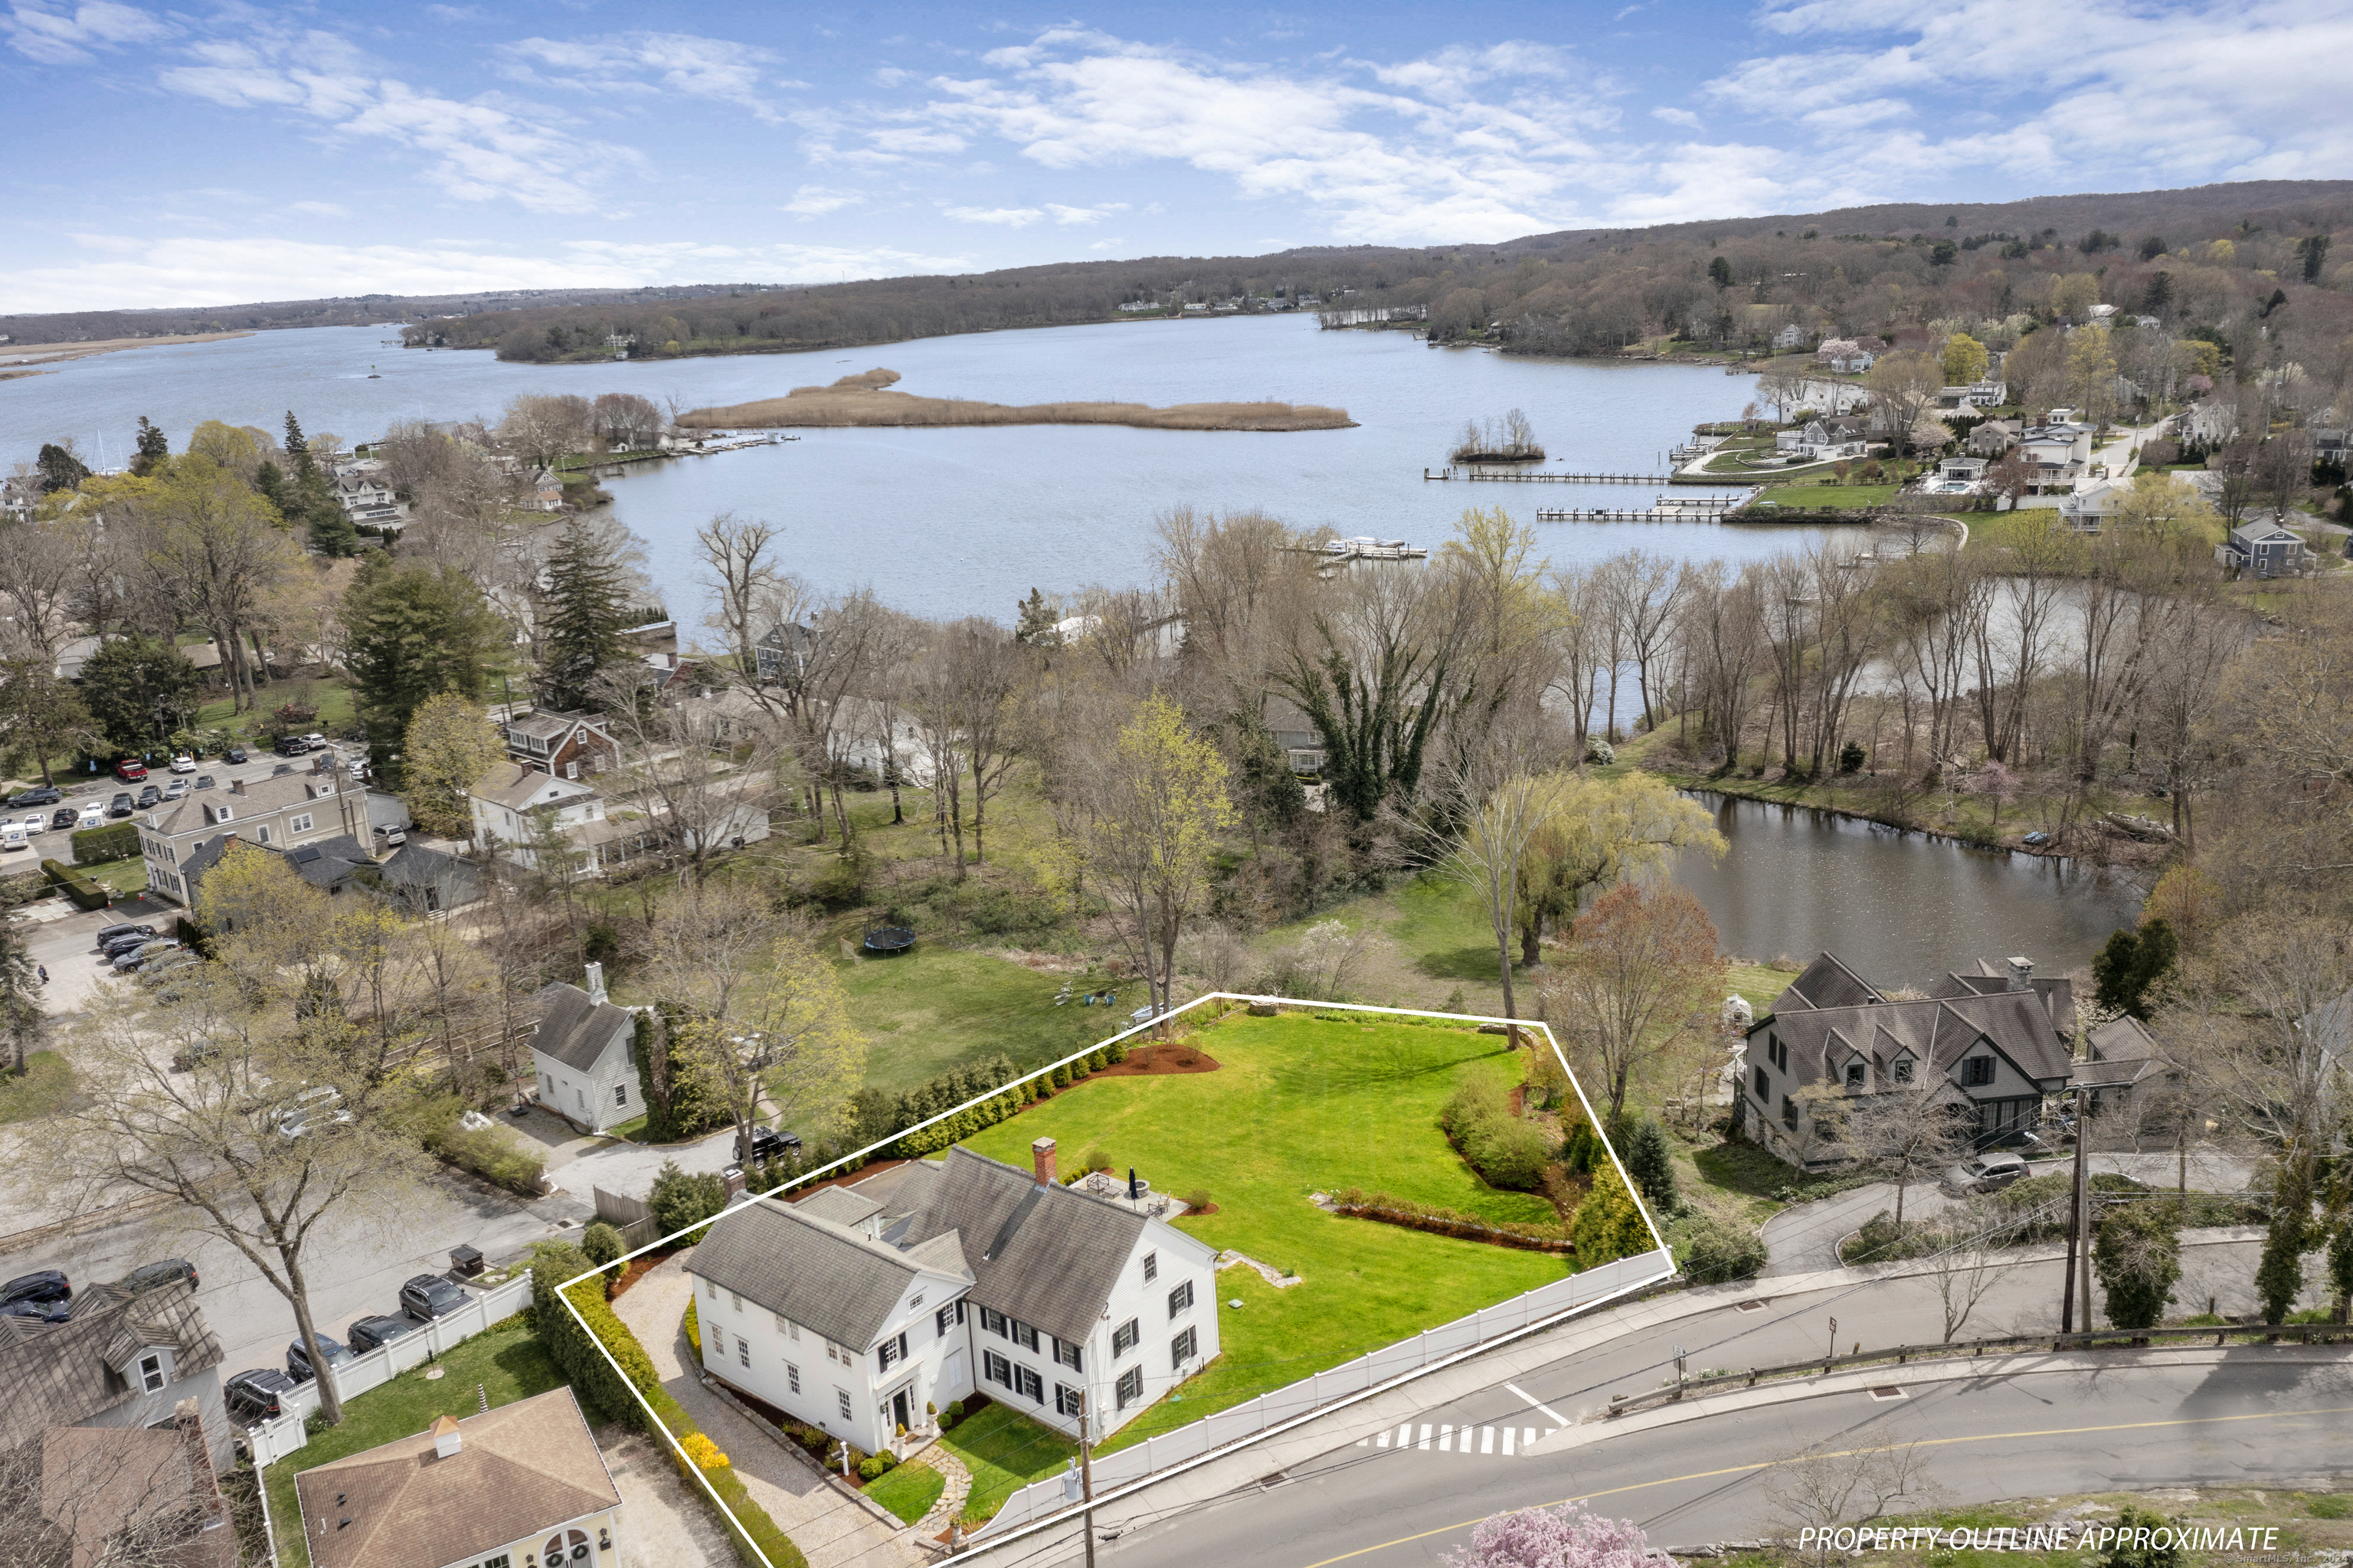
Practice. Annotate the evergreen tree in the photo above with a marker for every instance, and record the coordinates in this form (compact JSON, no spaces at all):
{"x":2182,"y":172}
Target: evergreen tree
{"x":1035,"y":628}
{"x":152,"y":448}
{"x":2130,"y":967}
{"x":2137,"y":1256}
{"x":307,"y":497}
{"x":138,"y":688}
{"x":416,"y":631}
{"x":582,"y":620}
{"x":1649,"y":1163}
{"x":59,"y":468}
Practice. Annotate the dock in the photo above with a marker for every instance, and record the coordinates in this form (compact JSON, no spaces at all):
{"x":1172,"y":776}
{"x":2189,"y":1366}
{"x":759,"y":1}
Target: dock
{"x":1667,"y":509}
{"x":1338,"y":552}
{"x":1507,"y":476}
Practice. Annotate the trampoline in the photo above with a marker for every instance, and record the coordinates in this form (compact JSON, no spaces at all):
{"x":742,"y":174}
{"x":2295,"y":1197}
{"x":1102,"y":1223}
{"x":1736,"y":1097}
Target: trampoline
{"x":890,"y":940}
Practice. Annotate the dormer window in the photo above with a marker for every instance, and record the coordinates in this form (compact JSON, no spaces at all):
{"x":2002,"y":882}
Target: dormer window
{"x":1902,"y":1071}
{"x":1855,"y":1075}
{"x":151,"y":1372}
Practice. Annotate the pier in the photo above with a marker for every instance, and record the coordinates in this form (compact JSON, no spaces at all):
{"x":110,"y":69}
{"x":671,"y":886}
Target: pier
{"x":1506,"y":476}
{"x":1704,"y":509}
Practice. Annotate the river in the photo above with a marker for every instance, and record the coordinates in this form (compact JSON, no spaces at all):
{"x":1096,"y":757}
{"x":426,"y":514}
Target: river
{"x":962,"y":521}
{"x":1900,"y":907}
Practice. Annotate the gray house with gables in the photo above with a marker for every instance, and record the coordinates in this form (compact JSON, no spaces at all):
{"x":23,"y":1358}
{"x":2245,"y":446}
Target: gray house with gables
{"x":1997,"y":1036}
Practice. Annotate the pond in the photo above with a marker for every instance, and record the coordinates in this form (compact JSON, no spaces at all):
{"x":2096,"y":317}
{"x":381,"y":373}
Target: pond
{"x":1900,"y":907}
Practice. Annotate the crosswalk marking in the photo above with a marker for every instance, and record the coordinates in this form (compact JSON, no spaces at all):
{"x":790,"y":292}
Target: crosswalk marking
{"x":1452,"y":1439}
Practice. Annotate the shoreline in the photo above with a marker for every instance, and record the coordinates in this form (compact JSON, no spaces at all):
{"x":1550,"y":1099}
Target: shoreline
{"x":864,"y":402}
{"x":31,"y":357}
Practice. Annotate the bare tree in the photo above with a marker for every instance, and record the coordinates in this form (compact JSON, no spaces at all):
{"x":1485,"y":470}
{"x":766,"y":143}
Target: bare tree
{"x":36,"y":577}
{"x":1912,"y":1127}
{"x":987,"y":664}
{"x":1500,"y":818}
{"x":1163,"y":807}
{"x":103,"y":1496}
{"x":1823,"y":1489}
{"x":702,"y":772}
{"x":737,"y":569}
{"x":1972,"y":1264}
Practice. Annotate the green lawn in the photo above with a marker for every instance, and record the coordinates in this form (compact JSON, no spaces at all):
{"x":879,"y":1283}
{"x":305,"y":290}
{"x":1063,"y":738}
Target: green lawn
{"x":1302,"y":1106}
{"x":910,"y":1491}
{"x":121,"y":878}
{"x":505,"y":1360}
{"x":47,"y":1085}
{"x":1005,"y":1451}
{"x":935,"y":1007}
{"x":1759,"y":983}
{"x":1829,"y":497}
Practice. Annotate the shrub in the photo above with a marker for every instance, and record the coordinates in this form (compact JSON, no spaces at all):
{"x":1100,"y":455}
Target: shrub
{"x":1581,"y":1149}
{"x":85,"y":893}
{"x":116,"y":840}
{"x":1097,"y":1159}
{"x":600,"y":943}
{"x":703,"y":1452}
{"x":2137,"y":1253}
{"x":1597,"y":750}
{"x":842,"y":882}
{"x":1851,"y":756}
{"x":1718,"y":1250}
{"x":1197,"y":1199}
{"x":881,"y":1115}
{"x":955,"y":1410}
{"x":693,"y":1322}
{"x":603,"y":1244}
{"x":876,"y":1465}
{"x":1505,"y":1150}
{"x":1608,"y":1225}
{"x":1877,"y":1241}
{"x":680,"y":1200}
{"x":1419,"y":1216}
{"x":1115,"y":1053}
{"x":1649,"y":1163}
{"x":2138,"y":1533}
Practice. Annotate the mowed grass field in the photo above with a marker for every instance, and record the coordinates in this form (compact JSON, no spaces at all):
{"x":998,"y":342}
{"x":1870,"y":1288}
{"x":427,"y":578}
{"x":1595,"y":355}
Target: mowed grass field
{"x":1299,"y":1106}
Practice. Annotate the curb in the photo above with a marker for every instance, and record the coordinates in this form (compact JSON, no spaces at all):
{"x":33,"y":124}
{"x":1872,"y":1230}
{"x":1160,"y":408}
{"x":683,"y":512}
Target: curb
{"x":1959,"y":1368}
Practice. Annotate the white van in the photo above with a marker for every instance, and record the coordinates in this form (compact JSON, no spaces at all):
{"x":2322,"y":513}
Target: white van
{"x":12,"y":838}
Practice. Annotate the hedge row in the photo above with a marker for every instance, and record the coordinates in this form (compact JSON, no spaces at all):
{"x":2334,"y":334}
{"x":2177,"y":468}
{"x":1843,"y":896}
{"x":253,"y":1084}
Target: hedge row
{"x":1413,"y":1216}
{"x":116,"y":840}
{"x":86,"y":894}
{"x":951,"y":1089}
{"x":575,"y":1351}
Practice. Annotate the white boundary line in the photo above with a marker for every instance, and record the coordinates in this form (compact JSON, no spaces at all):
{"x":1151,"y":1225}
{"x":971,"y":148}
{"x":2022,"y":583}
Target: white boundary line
{"x":562,"y":1295}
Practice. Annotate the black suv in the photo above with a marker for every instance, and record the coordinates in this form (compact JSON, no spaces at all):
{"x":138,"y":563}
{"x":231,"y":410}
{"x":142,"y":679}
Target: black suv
{"x":294,"y":745}
{"x":121,"y":805}
{"x":234,"y":754}
{"x":38,"y":795}
{"x":107,"y":934}
{"x":367,"y":1333}
{"x":767,"y":1143}
{"x":298,"y":1357}
{"x":149,"y":794}
{"x":428,"y":1295}
{"x":48,"y":1285}
{"x":253,"y":1396}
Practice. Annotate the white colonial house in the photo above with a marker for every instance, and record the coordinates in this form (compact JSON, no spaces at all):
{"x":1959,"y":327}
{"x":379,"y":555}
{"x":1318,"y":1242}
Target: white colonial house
{"x":1827,"y":439}
{"x":861,"y":1309}
{"x":504,"y":800}
{"x":581,"y":1055}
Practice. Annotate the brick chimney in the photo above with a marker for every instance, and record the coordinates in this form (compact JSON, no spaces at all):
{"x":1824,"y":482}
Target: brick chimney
{"x":2021,"y":974}
{"x":237,"y":786}
{"x":734,"y":1180}
{"x":447,"y":1439}
{"x":1041,"y":1159}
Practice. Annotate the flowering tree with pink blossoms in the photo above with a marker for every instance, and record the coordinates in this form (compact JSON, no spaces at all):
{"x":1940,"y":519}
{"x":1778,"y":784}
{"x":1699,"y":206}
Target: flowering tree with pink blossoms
{"x":1563,"y":1537}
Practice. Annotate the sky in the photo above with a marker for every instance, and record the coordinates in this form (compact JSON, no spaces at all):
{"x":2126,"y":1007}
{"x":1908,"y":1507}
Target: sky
{"x":216,"y":153}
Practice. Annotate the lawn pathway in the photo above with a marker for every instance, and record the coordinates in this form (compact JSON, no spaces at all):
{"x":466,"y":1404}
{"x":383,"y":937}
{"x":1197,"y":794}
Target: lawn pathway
{"x":831,"y":1531}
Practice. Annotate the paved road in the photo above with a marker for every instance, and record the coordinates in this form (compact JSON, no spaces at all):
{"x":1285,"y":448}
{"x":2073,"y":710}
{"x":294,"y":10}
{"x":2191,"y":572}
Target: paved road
{"x":1344,"y":1493}
{"x":1805,"y":1236}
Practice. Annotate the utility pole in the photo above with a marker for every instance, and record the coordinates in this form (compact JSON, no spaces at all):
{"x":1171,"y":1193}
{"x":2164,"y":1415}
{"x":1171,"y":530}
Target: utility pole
{"x":2074,"y":1227}
{"x":1087,"y":1484}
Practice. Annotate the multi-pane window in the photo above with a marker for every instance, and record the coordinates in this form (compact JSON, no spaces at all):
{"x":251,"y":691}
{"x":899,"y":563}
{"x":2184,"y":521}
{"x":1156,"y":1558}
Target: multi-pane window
{"x":1151,"y":1266}
{"x":1028,"y":1385}
{"x":1130,"y":1387}
{"x":737,"y":1299}
{"x":1764,"y":1085}
{"x":792,"y":1377}
{"x":1069,"y":1401}
{"x":1976,"y":1072}
{"x":1903,"y":1071}
{"x":841,"y":1395}
{"x":1069,"y":1355}
{"x":1855,"y":1075}
{"x":942,"y":1318}
{"x":993,"y":1320}
{"x":1024,"y":1335}
{"x":1124,"y":1338}
{"x":995,"y":1368}
{"x":789,"y":1328}
{"x":892,"y":1350}
{"x":620,"y":1094}
{"x":301,"y":824}
{"x":151,"y":1373}
{"x":742,"y":1351}
{"x":1180,"y":1300}
{"x":1180,"y":1350}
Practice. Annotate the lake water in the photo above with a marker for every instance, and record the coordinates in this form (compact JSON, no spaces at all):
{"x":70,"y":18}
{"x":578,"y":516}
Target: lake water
{"x":1900,"y":907}
{"x":961,"y":522}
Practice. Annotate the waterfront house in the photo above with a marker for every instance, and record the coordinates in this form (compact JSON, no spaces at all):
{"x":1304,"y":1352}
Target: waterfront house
{"x":513,"y":1486}
{"x":860,"y":1307}
{"x":2061,"y":450}
{"x":2091,"y":506}
{"x":2262,"y":547}
{"x":1993,"y":438}
{"x":1997,"y":1037}
{"x":1830,"y":438}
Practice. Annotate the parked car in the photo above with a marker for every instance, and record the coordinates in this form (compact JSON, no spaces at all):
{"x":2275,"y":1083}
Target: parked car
{"x":35,"y":823}
{"x":298,"y":1357}
{"x":127,"y":963}
{"x":93,"y":815}
{"x":314,"y":740}
{"x":234,"y":754}
{"x":64,"y":816}
{"x":130,"y":770}
{"x":177,"y":789}
{"x":392,"y":834}
{"x":256,"y":1396}
{"x":767,"y":1143}
{"x":149,"y":794}
{"x":121,"y":806}
{"x":48,"y":1285}
{"x":43,"y":1311}
{"x":38,"y":795}
{"x":367,"y":1333}
{"x":1989,"y":1172}
{"x":122,"y":928}
{"x":161,"y":973}
{"x":164,"y":1271}
{"x":183,"y":763}
{"x":428,"y":1295}
{"x":138,"y":937}
{"x":292,"y":746}
{"x":311,"y":1107}
{"x":204,"y":780}
{"x":11,"y":837}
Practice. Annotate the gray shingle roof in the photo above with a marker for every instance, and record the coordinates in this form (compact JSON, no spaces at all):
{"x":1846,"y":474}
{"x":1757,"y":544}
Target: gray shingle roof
{"x":824,"y":1276}
{"x":56,"y":1373}
{"x":576,"y":1031}
{"x":1938,"y":1031}
{"x":1826,"y":982}
{"x":841,"y":1205}
{"x":1047,"y":1256}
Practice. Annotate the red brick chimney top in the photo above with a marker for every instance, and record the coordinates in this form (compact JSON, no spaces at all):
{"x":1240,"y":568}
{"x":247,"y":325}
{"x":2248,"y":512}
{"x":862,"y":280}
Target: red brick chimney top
{"x":1042,"y":1158}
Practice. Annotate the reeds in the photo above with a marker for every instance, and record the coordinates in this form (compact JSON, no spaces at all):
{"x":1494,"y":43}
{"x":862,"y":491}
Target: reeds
{"x":862,"y":401}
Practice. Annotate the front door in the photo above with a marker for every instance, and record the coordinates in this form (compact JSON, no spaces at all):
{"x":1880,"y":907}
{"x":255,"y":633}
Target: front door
{"x":899,"y":1410}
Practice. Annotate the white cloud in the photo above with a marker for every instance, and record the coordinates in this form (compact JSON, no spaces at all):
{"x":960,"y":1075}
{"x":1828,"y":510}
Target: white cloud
{"x":815,"y":201}
{"x":68,"y":36}
{"x":1003,"y":217}
{"x":1075,"y":214}
{"x":1674,"y":116}
{"x":650,"y":64}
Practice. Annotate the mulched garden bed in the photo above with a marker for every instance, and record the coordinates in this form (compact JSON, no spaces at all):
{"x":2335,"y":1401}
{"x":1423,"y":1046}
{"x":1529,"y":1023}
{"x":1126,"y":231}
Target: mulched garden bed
{"x":1149,"y":1061}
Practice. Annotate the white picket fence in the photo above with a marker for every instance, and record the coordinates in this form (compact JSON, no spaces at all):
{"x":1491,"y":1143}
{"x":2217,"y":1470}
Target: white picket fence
{"x":273,"y":1440}
{"x":1396,"y":1363}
